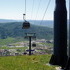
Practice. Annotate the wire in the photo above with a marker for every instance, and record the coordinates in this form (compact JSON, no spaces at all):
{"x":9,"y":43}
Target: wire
{"x":44,"y":14}
{"x":32,"y":9}
{"x":45,"y":11}
{"x":37,"y":10}
{"x":25,"y":6}
{"x":24,"y":15}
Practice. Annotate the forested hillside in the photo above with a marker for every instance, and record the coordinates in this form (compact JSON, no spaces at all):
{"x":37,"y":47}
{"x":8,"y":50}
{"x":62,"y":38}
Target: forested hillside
{"x":14,"y":29}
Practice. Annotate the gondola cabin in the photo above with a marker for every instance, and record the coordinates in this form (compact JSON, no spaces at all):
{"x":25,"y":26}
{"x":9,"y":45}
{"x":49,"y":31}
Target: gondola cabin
{"x":26,"y":25}
{"x":34,"y":44}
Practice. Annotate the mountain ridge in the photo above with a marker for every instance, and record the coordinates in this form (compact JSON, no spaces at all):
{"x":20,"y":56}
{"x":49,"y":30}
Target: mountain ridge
{"x":48,"y":23}
{"x":14,"y":29}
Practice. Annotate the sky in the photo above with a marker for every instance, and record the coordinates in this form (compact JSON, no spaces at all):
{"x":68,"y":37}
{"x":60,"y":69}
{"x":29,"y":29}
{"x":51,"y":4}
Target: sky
{"x":14,"y":9}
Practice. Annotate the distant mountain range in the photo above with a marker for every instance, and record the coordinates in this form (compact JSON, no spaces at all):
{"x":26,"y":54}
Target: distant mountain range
{"x":48,"y":23}
{"x":7,"y":20}
{"x":13,"y":28}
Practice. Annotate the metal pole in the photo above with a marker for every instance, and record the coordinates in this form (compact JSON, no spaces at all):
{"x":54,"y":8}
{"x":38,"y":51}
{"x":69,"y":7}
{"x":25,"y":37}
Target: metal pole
{"x":59,"y":56}
{"x":68,"y":62}
{"x":30,"y":45}
{"x":69,"y":29}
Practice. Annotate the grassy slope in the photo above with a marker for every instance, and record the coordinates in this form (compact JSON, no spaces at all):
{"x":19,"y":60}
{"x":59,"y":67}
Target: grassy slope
{"x":7,"y":41}
{"x":10,"y":40}
{"x":14,"y":29}
{"x":5,"y":47}
{"x":34,"y":62}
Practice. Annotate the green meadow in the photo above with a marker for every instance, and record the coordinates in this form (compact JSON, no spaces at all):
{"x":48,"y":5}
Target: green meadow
{"x":25,"y":62}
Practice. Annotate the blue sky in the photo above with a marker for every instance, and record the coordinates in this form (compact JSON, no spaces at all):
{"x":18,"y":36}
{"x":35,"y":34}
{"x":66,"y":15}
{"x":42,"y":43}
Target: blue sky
{"x":14,"y":9}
